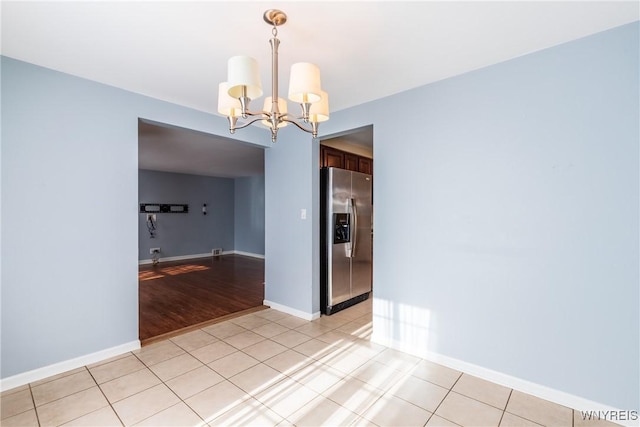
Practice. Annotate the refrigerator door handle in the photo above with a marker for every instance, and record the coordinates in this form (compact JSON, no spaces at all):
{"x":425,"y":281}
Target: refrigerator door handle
{"x":354,"y":228}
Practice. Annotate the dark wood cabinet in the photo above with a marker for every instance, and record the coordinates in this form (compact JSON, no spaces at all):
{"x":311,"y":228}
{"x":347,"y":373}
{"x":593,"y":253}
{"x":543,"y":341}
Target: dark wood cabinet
{"x":351,"y":162}
{"x":365,"y":165}
{"x":332,"y":157}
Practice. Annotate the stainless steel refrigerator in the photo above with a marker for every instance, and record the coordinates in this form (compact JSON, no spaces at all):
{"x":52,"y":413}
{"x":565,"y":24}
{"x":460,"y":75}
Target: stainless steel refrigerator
{"x":346,"y":238}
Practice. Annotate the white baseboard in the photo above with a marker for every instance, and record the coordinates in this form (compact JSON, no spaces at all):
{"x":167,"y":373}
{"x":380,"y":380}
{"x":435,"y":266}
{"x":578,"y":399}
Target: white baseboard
{"x":194,"y":256}
{"x":562,"y":398}
{"x":292,"y":311}
{"x":67,"y":365}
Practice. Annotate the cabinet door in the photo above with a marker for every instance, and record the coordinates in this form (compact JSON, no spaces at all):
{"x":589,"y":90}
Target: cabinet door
{"x":351,"y":162}
{"x":365,"y":165}
{"x":332,"y":158}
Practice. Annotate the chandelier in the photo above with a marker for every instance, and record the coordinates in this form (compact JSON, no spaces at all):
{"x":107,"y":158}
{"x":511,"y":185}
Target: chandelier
{"x":243,"y":85}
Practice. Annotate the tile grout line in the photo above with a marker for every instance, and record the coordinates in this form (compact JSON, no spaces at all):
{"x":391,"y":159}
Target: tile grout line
{"x":445,"y":398}
{"x":105,"y":397}
{"x":35,"y":408}
{"x":505,"y":407}
{"x":170,"y":389}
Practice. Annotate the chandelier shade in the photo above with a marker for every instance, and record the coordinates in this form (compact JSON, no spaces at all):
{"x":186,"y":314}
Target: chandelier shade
{"x":319,"y":111}
{"x":244,"y":74}
{"x":304,"y":83}
{"x":243,"y":85}
{"x":227,"y":105}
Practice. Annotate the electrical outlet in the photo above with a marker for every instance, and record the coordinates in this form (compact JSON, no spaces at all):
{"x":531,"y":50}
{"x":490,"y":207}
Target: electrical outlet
{"x":151,"y":217}
{"x":154,"y":251}
{"x":216,"y":252}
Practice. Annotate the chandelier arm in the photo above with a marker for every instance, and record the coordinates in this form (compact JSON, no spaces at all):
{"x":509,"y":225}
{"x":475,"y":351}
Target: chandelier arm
{"x":313,"y":130}
{"x":248,"y":123}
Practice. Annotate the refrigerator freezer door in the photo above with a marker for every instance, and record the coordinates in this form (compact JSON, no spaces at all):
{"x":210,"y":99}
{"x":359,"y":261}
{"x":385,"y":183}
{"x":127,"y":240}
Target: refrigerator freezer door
{"x":339,"y":263}
{"x":361,"y":261}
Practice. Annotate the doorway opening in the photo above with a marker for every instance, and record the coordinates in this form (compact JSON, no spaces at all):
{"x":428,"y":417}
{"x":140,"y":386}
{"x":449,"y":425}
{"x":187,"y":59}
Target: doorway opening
{"x":346,"y":219}
{"x":204,"y":261}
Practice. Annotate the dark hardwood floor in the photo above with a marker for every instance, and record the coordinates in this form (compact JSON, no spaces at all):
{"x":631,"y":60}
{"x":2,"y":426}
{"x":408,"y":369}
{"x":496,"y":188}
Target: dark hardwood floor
{"x":178,"y":294}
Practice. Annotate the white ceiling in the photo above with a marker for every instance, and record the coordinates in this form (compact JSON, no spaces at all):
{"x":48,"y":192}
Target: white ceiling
{"x":177,"y":51}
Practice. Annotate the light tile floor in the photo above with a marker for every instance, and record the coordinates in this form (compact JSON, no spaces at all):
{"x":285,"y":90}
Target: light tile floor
{"x":270,"y":368}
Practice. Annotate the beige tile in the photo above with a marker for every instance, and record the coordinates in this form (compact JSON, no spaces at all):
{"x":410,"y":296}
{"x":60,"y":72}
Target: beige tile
{"x":362,"y":330}
{"x":286,"y":397}
{"x":468,"y":412}
{"x":378,"y":375}
{"x":193,"y":382}
{"x":104,"y":417}
{"x":419,"y":392}
{"x":288,"y":361}
{"x":271,"y":314}
{"x":436,"y":421}
{"x":244,"y":339}
{"x":54,"y":390}
{"x":117,"y":368}
{"x":336,"y":337}
{"x":435,"y":373}
{"x":215,"y":401}
{"x":176,"y":366}
{"x":345,"y":361}
{"x":128,"y":385}
{"x":28,"y":418}
{"x":367,"y":348}
{"x":158,"y":352}
{"x":269,"y":330}
{"x":292,"y":322}
{"x":233,"y":364}
{"x":397,"y":359}
{"x":15,"y":403}
{"x":313,"y":329}
{"x":353,"y":394}
{"x":264,"y":350}
{"x":224,"y":330}
{"x":291,"y":338}
{"x":14,"y":390}
{"x":177,"y":415}
{"x":482,"y":390}
{"x":194,"y":340}
{"x":318,"y":376}
{"x":322,"y":412}
{"x":332,"y":322}
{"x":250,"y":413}
{"x":58,"y":376}
{"x":215,"y":351}
{"x":510,"y":420}
{"x":140,"y":406}
{"x":109,"y":360}
{"x":71,"y":407}
{"x":315,"y":349}
{"x":256,"y":379}
{"x":539,"y":410}
{"x":581,"y":419}
{"x":394,"y":412}
{"x":250,"y":321}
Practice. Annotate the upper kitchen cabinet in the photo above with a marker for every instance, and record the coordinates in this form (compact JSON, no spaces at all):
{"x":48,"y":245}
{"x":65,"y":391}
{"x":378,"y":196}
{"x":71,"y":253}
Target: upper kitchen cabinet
{"x":332,"y":157}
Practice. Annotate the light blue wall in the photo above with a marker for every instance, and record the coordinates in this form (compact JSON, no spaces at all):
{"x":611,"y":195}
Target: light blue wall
{"x":69,"y":212}
{"x":291,"y":243}
{"x":506,"y":217}
{"x":249,"y":215}
{"x":192,"y":233}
